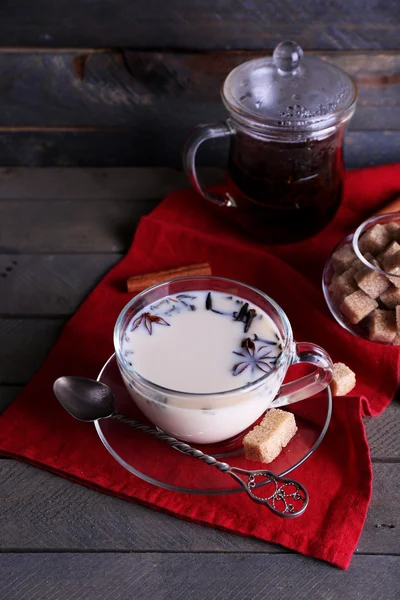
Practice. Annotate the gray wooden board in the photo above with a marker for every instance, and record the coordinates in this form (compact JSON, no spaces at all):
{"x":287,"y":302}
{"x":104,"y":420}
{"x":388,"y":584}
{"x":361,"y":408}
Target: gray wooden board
{"x":148,"y":91}
{"x":383,"y":433}
{"x":193,"y":576}
{"x":81,"y":210}
{"x":148,"y":146}
{"x":25,"y":344}
{"x":61,"y":540}
{"x":69,"y":226}
{"x":57,"y":183}
{"x":47,"y":284}
{"x":8,"y":393}
{"x":42,"y":511}
{"x":200,"y":23}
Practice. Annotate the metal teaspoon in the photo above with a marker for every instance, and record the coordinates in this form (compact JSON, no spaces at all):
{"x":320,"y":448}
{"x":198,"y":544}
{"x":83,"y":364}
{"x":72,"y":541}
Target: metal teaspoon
{"x":90,"y":400}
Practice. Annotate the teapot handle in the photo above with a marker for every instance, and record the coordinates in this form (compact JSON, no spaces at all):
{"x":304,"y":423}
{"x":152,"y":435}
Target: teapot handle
{"x":197,"y":137}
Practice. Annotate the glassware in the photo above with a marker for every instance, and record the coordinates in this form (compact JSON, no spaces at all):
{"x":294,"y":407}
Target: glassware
{"x":287,"y":116}
{"x":136,"y":451}
{"x":214,"y":417}
{"x":362,"y":263}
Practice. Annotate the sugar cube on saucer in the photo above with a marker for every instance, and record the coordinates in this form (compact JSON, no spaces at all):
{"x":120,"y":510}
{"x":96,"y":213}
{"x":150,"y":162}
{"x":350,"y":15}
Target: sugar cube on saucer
{"x":265,"y":442}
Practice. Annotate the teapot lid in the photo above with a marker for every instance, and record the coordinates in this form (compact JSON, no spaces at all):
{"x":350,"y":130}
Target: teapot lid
{"x":289,"y":91}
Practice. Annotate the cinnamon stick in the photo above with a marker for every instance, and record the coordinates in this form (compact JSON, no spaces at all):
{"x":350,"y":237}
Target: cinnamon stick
{"x":393,"y":206}
{"x":138,"y":283}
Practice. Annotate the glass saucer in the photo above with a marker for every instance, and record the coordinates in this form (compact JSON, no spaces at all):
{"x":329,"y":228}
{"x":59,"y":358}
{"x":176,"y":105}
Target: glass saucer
{"x":155,"y":462}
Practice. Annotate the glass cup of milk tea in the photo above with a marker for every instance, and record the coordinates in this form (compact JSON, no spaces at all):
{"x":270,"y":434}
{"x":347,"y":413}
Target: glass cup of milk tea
{"x":204,"y":357}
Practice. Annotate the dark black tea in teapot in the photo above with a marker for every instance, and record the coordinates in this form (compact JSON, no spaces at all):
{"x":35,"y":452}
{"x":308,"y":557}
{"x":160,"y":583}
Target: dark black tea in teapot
{"x":285,"y":171}
{"x":282,"y":192}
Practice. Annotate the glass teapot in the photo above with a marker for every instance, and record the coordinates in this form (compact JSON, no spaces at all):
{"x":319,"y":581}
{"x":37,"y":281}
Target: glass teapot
{"x":287,"y":116}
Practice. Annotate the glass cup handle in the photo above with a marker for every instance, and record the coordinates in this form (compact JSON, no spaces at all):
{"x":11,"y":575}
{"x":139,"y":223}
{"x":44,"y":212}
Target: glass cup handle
{"x":311,"y":384}
{"x":197,"y":137}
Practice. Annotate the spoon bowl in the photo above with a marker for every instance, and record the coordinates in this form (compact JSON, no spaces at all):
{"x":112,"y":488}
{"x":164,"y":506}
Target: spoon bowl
{"x":85,"y":399}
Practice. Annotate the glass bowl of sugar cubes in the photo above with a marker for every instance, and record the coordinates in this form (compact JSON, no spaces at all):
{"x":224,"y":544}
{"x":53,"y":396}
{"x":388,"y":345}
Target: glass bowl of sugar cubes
{"x":361,"y":280}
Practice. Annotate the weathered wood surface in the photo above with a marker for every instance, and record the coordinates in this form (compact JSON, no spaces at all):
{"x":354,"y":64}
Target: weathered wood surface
{"x":40,"y":511}
{"x":62,"y":540}
{"x":53,"y":513}
{"x":366,"y":24}
{"x":193,"y":576}
{"x":25,"y":344}
{"x":157,"y":147}
{"x":121,"y":108}
{"x":49,"y":284}
{"x":147,"y":91}
{"x":92,"y":210}
{"x":69,"y":226}
{"x":137,"y":184}
{"x":8,"y":393}
{"x":383,"y":433}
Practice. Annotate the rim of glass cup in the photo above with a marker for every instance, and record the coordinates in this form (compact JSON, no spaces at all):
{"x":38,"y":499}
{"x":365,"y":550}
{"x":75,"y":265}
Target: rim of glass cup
{"x":236,"y":391}
{"x":378,"y":219}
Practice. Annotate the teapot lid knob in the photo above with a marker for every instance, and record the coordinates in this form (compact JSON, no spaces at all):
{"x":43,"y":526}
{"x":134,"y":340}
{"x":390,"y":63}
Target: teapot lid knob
{"x":287,"y":56}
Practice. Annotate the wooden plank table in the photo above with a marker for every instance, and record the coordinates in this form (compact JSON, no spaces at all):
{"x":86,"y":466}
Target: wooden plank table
{"x":60,"y":231}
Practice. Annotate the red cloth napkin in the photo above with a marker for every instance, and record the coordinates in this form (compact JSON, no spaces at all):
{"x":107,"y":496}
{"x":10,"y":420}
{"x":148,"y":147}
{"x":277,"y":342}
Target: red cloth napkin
{"x":183,"y":230}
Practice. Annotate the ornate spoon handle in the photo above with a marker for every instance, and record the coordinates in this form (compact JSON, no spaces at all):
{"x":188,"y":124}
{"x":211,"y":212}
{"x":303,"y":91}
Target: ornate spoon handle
{"x":284,"y":497}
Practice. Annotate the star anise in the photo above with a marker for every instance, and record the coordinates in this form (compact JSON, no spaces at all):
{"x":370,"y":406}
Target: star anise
{"x":148,"y":319}
{"x":253,"y":357}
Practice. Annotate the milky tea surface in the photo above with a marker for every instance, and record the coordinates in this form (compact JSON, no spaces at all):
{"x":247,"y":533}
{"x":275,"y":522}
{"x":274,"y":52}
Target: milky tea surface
{"x":201,"y":342}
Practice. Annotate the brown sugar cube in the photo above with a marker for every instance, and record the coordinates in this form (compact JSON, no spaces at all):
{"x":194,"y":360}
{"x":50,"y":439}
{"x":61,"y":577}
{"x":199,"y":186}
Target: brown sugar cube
{"x":343,"y":258}
{"x":374,"y":240}
{"x":391,"y":297}
{"x":397,"y":313}
{"x":391,"y":250}
{"x":391,"y":258}
{"x":396,"y":340}
{"x":382,"y":326}
{"x":392,"y":228}
{"x":357,"y":263}
{"x":371,"y":260}
{"x":371,"y":282}
{"x":344,"y":380}
{"x":396,"y":235}
{"x":265,"y":442}
{"x":357,"y":306}
{"x":392,"y":265}
{"x":344,"y":284}
{"x":368,"y":256}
